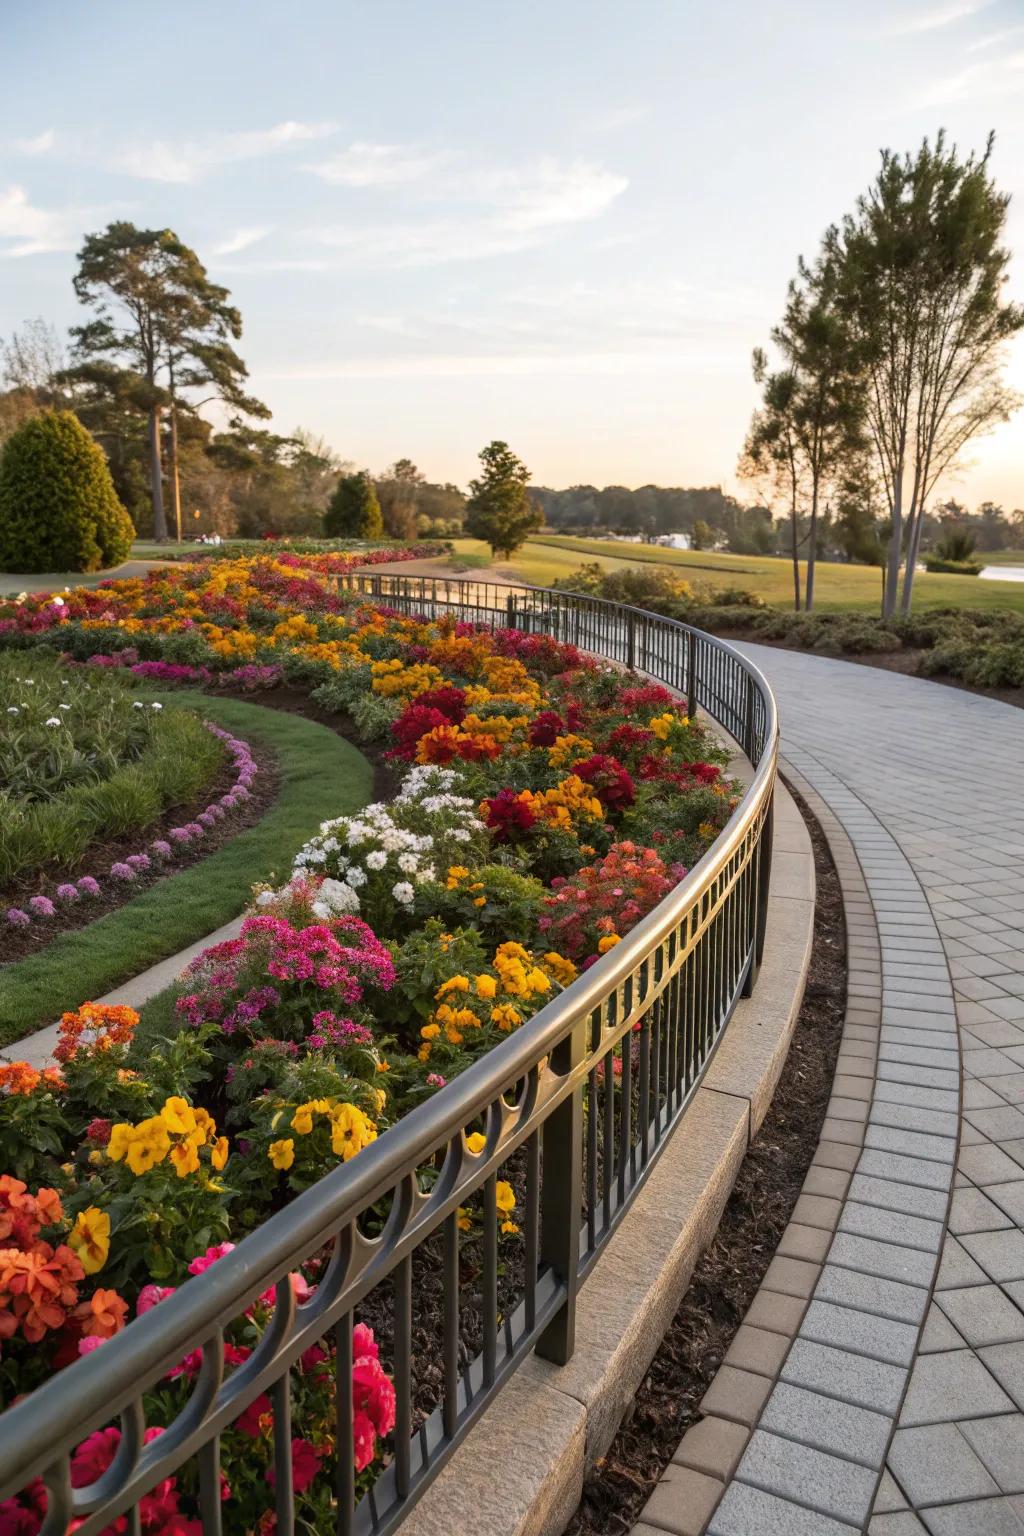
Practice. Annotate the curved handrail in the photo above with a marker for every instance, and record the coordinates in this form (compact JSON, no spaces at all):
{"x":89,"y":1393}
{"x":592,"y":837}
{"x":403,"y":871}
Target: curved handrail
{"x":549,"y":1059}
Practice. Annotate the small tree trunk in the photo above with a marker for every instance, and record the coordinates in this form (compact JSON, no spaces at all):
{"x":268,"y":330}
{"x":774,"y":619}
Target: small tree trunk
{"x":812,"y":551}
{"x":175,"y":483}
{"x":892,"y":574}
{"x":156,"y":484}
{"x":796,"y":557}
{"x":913,"y":550}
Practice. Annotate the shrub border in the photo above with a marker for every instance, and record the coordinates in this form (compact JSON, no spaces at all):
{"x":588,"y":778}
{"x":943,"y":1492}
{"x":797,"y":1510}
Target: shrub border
{"x":320,"y":774}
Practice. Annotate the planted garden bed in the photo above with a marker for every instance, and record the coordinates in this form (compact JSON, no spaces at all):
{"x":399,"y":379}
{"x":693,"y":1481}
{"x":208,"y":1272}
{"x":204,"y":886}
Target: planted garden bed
{"x":544,"y":804}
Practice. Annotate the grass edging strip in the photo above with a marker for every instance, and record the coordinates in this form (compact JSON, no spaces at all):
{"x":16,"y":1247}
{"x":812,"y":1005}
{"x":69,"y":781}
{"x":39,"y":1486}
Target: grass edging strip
{"x":320,"y":775}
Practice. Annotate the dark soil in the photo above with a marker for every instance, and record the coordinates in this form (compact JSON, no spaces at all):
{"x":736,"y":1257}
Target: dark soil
{"x":294,"y":701}
{"x":729,"y":1273}
{"x":16,"y":943}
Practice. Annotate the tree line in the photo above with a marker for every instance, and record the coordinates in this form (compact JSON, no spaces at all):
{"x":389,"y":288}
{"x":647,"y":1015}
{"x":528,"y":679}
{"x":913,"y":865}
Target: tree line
{"x":886,"y":364}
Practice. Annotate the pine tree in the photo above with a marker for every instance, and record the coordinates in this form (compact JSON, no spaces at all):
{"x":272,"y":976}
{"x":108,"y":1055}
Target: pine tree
{"x":500,"y":509}
{"x":354,"y":511}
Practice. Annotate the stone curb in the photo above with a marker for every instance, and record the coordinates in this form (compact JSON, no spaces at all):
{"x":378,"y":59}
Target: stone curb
{"x":561,"y":1420}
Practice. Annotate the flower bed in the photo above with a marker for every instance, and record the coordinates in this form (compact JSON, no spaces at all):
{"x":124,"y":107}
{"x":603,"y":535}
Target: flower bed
{"x":81,"y":760}
{"x":546,"y":804}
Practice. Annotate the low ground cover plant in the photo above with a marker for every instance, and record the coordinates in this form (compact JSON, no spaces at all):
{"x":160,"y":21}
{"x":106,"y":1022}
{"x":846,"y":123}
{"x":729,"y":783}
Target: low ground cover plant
{"x":527,"y":835}
{"x":83,"y":758}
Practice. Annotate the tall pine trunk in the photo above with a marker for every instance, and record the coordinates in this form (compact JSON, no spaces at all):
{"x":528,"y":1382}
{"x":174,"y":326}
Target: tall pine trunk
{"x":175,"y":482}
{"x":156,"y":484}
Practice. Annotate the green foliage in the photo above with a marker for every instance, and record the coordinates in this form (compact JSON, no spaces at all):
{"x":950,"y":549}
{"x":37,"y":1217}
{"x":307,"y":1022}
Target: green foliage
{"x":500,"y":509}
{"x":110,"y":764}
{"x":354,"y":511}
{"x":58,"y":507}
{"x":937,"y":564}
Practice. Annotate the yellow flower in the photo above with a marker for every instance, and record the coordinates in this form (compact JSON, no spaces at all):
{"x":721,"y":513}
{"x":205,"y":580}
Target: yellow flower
{"x":219,"y":1153}
{"x":505,"y":1197}
{"x":462,"y":1220}
{"x":506,"y":1017}
{"x":90,"y":1238}
{"x":185,"y":1157}
{"x":559,"y":967}
{"x":430,"y":1031}
{"x":486,"y":986}
{"x":206,"y":1125}
{"x":302,"y":1120}
{"x":351,"y":1131}
{"x":148,"y":1146}
{"x":282,"y":1153}
{"x":178,"y":1117}
{"x":509,"y":1228}
{"x":120,"y":1140}
{"x":476,"y":1142}
{"x":453,"y":984}
{"x":608,"y":942}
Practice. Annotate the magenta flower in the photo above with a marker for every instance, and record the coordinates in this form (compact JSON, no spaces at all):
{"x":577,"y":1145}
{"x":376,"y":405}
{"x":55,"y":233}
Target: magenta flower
{"x":87,"y":886}
{"x":121,"y":871}
{"x":138,"y":861}
{"x":162,"y":849}
{"x":42,"y":906}
{"x":17,"y":918}
{"x":68,"y":893}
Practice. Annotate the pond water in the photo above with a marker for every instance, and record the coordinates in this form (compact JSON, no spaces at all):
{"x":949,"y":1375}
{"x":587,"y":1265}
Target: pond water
{"x":1002,"y":573}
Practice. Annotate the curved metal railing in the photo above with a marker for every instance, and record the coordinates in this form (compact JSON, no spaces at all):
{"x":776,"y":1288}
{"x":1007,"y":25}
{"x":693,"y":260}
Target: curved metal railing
{"x":579,"y":1101}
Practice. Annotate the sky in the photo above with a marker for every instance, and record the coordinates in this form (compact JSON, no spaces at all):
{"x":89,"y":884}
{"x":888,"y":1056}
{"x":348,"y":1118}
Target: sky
{"x":565,"y":223}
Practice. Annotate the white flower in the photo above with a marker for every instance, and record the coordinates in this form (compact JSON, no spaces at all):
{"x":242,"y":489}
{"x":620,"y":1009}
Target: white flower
{"x":12,"y":709}
{"x":403,"y":892}
{"x":459,"y":835}
{"x":356,"y":876}
{"x":138,"y":704}
{"x":376,"y":860}
{"x":63,"y":706}
{"x":156,"y":706}
{"x":408,"y":863}
{"x":54,"y":720}
{"x":265,"y":898}
{"x":335,"y":896}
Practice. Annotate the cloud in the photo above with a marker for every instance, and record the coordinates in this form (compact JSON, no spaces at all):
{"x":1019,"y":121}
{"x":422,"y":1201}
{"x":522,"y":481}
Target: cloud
{"x":992,"y":38}
{"x":485,"y":365}
{"x":932,"y":21}
{"x":376,"y":165}
{"x":482,"y":212}
{"x":242,"y":239}
{"x":161,"y":160}
{"x":40,"y":145}
{"x":995,"y":77}
{"x":26,"y":230}
{"x":616,"y":118}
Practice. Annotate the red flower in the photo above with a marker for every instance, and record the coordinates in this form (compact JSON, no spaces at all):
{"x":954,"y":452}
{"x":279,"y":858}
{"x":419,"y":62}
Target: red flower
{"x":611,"y":781}
{"x":508,"y":815}
{"x":449,"y":700}
{"x":305,"y":1466}
{"x":415,"y":721}
{"x":248,"y":1421}
{"x":545,"y":728}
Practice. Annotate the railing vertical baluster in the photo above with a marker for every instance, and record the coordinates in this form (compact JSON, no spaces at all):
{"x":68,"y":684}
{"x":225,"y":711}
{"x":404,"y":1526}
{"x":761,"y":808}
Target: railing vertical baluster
{"x":402,"y":1278}
{"x":490,"y":1279}
{"x":450,"y":1325}
{"x":532,"y":1255}
{"x":592,"y":1184}
{"x":562,"y":1192}
{"x":691,"y":675}
{"x":284,"y":1498}
{"x":344,"y":1455}
{"x":209,"y":1487}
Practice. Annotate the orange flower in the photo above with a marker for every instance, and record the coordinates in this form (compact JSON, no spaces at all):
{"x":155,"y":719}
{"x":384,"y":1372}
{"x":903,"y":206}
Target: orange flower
{"x":103,"y":1315}
{"x":37,"y":1289}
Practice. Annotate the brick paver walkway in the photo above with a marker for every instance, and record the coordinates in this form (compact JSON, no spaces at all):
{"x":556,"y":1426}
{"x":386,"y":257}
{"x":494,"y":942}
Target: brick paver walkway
{"x":911,"y":1349}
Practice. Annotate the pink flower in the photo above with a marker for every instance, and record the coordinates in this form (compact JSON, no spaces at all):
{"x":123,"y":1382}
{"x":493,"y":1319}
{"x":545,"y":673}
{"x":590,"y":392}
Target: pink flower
{"x":202,"y":1263}
{"x":248,"y":1421}
{"x":151,"y":1296}
{"x":161,"y":849}
{"x":87,"y":886}
{"x":17,"y":918}
{"x":89,"y":1343}
{"x":42,"y":906}
{"x":121,"y":871}
{"x":364,"y":1440}
{"x":68,"y":893}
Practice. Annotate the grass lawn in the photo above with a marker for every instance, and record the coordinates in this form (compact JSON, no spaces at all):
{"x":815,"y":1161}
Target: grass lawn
{"x":838,"y":588}
{"x":320,"y":775}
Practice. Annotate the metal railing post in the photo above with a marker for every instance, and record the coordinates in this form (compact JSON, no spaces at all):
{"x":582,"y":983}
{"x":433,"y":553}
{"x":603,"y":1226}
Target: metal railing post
{"x":631,"y":642}
{"x":759,"y":886}
{"x":748,"y":721}
{"x":562,"y":1199}
{"x":691,"y":675}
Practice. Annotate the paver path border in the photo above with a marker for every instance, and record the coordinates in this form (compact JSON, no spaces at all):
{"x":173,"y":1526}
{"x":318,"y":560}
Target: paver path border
{"x":879,"y":1377}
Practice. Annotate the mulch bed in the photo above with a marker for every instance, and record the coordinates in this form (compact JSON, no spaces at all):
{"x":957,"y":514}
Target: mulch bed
{"x":17,"y":943}
{"x":729,"y":1273}
{"x":293,"y":701}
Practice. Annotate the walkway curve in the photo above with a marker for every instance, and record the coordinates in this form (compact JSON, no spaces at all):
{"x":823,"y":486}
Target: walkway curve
{"x":898,"y":1409}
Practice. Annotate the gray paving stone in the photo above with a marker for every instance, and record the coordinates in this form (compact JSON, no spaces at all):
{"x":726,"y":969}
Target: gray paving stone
{"x":911,"y":1170}
{"x":746,"y":1511}
{"x":891,"y":1226}
{"x":864,"y":1333}
{"x":886,"y":1260}
{"x":887,"y":1138}
{"x":901,"y":1523}
{"x":855,"y":1379}
{"x":912,"y":1199}
{"x":999,"y":1442}
{"x":871,"y":1293}
{"x":974,"y":1211}
{"x":934,"y":1465}
{"x":1000,"y":1254}
{"x":987,"y":1165}
{"x":827,"y":1424}
{"x":955,"y":1385}
{"x":982,"y":1517}
{"x":835,"y":1487}
{"x":938,"y":1333}
{"x":889,"y":1496}
{"x":957,"y":1268}
{"x":982,"y":1314}
{"x":1006,"y":1362}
